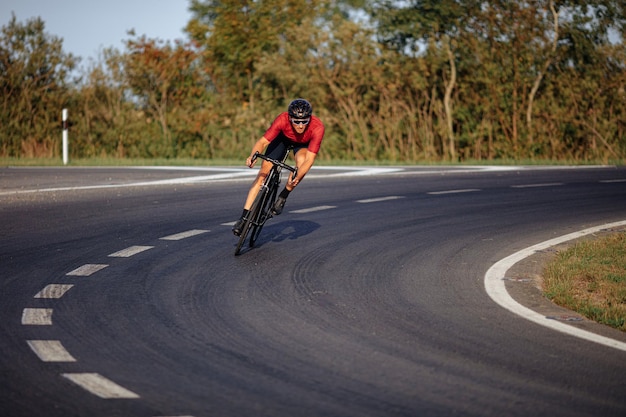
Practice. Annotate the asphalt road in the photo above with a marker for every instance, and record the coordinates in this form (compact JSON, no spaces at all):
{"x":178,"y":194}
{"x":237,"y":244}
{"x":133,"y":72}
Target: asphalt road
{"x":120,"y":295}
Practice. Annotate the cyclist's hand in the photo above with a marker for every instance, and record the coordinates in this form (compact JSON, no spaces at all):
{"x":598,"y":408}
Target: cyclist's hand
{"x":293,"y":181}
{"x":250,"y":162}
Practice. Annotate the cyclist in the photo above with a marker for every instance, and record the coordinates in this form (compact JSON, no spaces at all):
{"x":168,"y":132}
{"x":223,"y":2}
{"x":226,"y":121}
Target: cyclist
{"x":296,"y":127}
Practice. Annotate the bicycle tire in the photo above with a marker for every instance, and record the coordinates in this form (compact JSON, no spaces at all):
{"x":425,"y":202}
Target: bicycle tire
{"x":242,"y":236}
{"x":265,"y":204}
{"x":247,"y":226}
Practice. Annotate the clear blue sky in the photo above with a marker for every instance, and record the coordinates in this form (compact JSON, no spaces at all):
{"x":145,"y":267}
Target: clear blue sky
{"x":87,"y":26}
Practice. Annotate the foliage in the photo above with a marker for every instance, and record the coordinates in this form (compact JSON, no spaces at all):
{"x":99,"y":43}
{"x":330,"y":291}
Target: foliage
{"x":418,"y":80}
{"x":168,"y":85}
{"x":33,"y":88}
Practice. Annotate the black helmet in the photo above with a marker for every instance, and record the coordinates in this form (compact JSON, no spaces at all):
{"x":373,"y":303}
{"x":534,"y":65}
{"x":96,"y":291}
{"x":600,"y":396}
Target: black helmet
{"x":300,"y":109}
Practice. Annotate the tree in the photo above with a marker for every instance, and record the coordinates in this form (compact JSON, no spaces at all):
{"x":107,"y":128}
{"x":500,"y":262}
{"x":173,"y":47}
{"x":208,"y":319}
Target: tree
{"x":163,"y":77}
{"x":256,"y":54}
{"x":33,"y":88}
{"x":433,"y":25}
{"x":236,"y":35}
{"x":592,"y":73}
{"x":442,"y":80}
{"x":107,"y":122}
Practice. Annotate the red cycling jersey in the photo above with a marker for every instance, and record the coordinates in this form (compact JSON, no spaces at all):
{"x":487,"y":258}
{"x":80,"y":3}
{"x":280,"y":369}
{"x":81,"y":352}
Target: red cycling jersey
{"x":313,"y":134}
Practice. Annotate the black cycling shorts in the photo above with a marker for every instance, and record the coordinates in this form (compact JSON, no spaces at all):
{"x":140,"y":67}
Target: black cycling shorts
{"x":278,"y":147}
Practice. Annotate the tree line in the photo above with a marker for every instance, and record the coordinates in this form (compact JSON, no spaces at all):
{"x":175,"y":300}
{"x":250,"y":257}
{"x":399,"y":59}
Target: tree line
{"x":410,"y":81}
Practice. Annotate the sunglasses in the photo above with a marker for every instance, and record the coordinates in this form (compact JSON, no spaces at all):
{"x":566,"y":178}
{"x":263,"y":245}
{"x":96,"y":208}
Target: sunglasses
{"x":300,"y":121}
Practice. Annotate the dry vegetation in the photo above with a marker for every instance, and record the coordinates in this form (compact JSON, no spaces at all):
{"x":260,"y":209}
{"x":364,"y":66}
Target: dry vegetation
{"x":590,"y":278}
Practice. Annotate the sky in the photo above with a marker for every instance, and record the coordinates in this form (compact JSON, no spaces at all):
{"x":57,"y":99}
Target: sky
{"x":88,"y":26}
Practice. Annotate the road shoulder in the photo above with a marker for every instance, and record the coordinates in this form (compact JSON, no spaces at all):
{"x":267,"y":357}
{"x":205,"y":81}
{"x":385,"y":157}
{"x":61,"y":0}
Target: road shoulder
{"x":523,"y":282}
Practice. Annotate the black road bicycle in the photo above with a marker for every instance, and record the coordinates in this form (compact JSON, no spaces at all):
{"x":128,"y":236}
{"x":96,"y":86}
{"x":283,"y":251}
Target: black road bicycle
{"x":261,"y":210}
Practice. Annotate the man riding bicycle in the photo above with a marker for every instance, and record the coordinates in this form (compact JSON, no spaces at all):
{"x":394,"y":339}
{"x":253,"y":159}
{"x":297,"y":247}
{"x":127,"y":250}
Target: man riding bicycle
{"x":297,"y":127}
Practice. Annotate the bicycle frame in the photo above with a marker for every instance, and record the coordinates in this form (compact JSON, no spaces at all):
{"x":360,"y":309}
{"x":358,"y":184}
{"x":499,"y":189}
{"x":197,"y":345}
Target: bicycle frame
{"x":260,"y":211}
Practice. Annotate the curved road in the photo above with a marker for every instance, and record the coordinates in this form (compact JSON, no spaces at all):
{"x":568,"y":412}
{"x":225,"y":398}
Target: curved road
{"x":121,"y":296}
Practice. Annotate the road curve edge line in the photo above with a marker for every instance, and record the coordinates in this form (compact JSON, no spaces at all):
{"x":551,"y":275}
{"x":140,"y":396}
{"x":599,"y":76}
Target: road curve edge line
{"x":496,"y":289}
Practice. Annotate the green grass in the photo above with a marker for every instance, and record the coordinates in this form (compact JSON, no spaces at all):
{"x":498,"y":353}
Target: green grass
{"x":113,"y":162}
{"x":590,"y":278}
{"x":51,"y":162}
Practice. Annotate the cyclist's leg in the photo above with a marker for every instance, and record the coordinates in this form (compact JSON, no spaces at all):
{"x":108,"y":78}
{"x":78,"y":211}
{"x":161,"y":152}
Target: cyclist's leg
{"x":260,"y":210}
{"x":282,"y":197}
{"x":275,"y":150}
{"x":248,"y":221}
{"x":254,"y":189}
{"x":299,"y":154}
{"x":252,"y":193}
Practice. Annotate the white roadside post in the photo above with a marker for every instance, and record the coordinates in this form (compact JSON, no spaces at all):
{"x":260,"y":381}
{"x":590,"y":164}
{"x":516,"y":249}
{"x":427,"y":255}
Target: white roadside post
{"x":64,"y":136}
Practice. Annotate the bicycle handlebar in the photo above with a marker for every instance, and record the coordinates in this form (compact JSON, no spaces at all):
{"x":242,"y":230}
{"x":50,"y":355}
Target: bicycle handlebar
{"x":276,"y":162}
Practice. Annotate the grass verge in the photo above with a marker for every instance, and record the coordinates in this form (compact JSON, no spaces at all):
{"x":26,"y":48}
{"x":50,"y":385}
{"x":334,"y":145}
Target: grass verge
{"x":590,"y":278}
{"x":87,"y":162}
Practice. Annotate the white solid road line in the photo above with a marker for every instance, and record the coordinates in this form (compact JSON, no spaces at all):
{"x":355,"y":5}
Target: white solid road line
{"x":100,"y":386}
{"x":496,"y":289}
{"x":50,"y":351}
{"x":172,"y":181}
{"x":363,"y":171}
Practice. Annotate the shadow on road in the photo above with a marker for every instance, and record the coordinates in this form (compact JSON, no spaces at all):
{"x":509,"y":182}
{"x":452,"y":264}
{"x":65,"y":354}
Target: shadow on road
{"x":287,"y":230}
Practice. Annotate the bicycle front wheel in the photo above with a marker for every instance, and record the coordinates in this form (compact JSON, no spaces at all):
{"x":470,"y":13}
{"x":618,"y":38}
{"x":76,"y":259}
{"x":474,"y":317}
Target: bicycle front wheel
{"x":265,"y":202}
{"x":249,"y":222}
{"x":243,"y":235}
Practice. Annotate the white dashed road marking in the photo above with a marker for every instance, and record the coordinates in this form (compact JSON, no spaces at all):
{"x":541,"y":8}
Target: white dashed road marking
{"x":50,"y":351}
{"x":467,"y":190}
{"x":54,"y":291}
{"x":376,"y":200}
{"x":100,"y":386}
{"x":53,"y":350}
{"x":612,"y":181}
{"x":87,"y":269}
{"x":37,"y":317}
{"x":183,"y":235}
{"x":549,"y":184}
{"x":496,"y":289}
{"x":128,"y":252}
{"x":312,"y":209}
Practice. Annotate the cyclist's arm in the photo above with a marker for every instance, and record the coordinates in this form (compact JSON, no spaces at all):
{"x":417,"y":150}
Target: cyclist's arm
{"x":259,"y":147}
